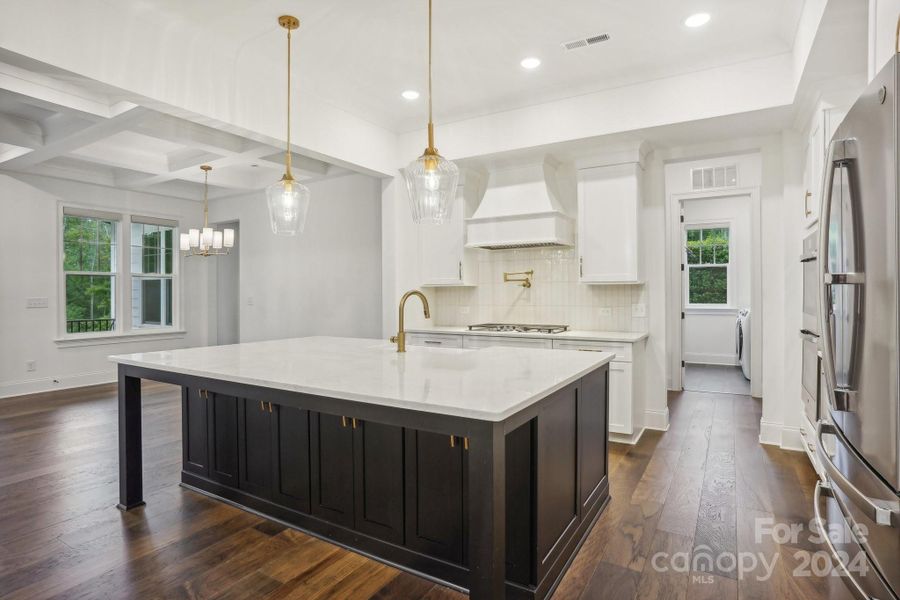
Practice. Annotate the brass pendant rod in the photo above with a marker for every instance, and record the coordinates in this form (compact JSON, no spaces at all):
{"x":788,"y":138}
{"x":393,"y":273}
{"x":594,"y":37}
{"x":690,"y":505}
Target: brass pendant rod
{"x":205,"y":199}
{"x":287,"y":154}
{"x":430,"y":116}
{"x":897,"y":36}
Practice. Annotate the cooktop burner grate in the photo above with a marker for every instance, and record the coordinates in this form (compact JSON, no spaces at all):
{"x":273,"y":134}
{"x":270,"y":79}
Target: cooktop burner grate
{"x":518,"y":328}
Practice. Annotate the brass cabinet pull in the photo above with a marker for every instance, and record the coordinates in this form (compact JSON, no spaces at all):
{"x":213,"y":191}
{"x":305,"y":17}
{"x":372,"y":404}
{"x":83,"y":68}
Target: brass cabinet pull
{"x":262,"y":406}
{"x":453,"y":441}
{"x":199,"y":393}
{"x":465,"y":443}
{"x":343,"y":421}
{"x":806,"y":209}
{"x":270,"y":407}
{"x":206,"y":394}
{"x":353,"y":420}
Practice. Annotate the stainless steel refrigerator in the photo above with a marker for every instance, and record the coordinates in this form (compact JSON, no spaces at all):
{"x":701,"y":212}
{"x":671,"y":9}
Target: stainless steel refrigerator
{"x":859,"y":279}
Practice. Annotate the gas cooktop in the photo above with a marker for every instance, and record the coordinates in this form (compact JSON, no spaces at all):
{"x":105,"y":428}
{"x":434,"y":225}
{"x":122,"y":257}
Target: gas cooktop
{"x":518,"y":328}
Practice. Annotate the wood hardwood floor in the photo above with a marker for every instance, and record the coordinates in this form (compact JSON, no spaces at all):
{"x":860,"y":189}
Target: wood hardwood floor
{"x":701,"y":488}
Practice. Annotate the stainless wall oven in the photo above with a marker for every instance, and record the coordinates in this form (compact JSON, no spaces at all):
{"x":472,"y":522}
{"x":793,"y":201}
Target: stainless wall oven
{"x":859,"y":287}
{"x":811,"y":364}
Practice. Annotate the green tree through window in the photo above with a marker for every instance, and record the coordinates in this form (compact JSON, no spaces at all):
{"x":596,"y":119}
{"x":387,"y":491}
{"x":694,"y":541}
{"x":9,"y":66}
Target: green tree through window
{"x":707,"y":256}
{"x":89,"y":257}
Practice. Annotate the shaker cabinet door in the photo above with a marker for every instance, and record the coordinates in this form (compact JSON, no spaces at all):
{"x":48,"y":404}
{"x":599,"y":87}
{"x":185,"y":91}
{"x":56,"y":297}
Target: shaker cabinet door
{"x":291,"y":458}
{"x":331,"y":455}
{"x":194,"y":431}
{"x":378,"y":478}
{"x":435,"y":495}
{"x":224,"y":449}
{"x":255,"y":426}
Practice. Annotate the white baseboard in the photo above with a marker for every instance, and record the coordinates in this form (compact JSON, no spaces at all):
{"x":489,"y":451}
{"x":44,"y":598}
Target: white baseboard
{"x":777,"y":434}
{"x":657,"y":419}
{"x":624,"y":438}
{"x":8,"y":389}
{"x":704,"y":358}
{"x":769,"y":433}
{"x":791,"y":439}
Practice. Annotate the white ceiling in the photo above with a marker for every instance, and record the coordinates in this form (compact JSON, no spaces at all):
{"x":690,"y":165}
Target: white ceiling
{"x":138,"y":149}
{"x":360,"y":54}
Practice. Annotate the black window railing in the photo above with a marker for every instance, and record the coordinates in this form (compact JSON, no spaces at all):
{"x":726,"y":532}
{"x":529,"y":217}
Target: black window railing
{"x":90,"y":325}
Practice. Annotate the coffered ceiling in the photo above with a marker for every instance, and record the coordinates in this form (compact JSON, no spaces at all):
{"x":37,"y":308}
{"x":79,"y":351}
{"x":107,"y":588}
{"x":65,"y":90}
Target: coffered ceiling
{"x":138,"y":149}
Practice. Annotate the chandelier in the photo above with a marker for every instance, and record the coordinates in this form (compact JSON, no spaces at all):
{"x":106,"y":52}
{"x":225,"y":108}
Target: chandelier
{"x":206,"y":241}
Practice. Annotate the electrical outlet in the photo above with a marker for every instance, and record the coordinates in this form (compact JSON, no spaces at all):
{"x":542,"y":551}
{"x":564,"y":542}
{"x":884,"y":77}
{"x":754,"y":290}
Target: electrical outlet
{"x":605,"y":312}
{"x":638,"y":310}
{"x":30,"y":365}
{"x":37,"y":302}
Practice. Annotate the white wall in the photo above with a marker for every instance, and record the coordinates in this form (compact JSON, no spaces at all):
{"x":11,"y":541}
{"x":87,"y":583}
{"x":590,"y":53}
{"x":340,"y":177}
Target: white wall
{"x":709,"y":333}
{"x":325,"y":281}
{"x":29,"y":234}
{"x":883,"y":15}
{"x":227,"y":303}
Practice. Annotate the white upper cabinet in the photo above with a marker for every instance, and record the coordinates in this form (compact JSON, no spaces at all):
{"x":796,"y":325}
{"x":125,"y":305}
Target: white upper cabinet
{"x":444,"y":258}
{"x":824,"y":123}
{"x":609,"y":207}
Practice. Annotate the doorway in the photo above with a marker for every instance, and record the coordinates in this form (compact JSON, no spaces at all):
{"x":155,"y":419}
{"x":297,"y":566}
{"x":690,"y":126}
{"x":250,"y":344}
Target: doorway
{"x":228,"y":282}
{"x":716,"y":298}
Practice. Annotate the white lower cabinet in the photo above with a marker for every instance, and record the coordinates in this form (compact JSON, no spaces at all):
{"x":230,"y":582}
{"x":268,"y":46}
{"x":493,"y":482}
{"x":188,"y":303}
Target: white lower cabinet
{"x":626,"y":398}
{"x":487,"y":341}
{"x":620,"y":380}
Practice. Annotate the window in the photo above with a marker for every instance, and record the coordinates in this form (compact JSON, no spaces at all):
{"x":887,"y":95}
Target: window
{"x":118,"y":275}
{"x":151,"y":275}
{"x":89,"y":266}
{"x":707,"y":253}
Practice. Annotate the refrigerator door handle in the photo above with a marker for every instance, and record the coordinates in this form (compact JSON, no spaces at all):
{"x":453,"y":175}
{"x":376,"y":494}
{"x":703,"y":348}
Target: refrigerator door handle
{"x":841,"y":153}
{"x":823,"y":489}
{"x":882,"y":512}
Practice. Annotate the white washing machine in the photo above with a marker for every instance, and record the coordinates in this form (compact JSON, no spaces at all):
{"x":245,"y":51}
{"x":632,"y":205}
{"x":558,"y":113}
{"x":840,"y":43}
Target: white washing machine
{"x":742,"y":340}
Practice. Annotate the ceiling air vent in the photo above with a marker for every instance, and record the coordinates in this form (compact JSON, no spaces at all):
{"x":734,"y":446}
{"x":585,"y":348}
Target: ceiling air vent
{"x":585,"y":42}
{"x":714,"y":177}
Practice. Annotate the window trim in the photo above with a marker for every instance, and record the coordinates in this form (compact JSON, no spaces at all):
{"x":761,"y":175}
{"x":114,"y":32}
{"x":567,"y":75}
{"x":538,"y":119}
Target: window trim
{"x":123,"y":278}
{"x":686,"y":283}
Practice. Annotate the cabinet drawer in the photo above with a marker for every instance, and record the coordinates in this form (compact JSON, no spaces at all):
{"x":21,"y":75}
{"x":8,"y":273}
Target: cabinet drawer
{"x":486,"y":341}
{"x":622,"y":350}
{"x":444,"y":340}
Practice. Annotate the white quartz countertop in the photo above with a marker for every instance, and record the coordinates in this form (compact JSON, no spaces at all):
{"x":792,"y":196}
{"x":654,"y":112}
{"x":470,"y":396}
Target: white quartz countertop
{"x":575,"y":334}
{"x":488,"y":384}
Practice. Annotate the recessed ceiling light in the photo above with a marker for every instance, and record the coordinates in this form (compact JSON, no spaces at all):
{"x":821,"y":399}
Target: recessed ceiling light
{"x":410,"y":95}
{"x":530,"y":63}
{"x":697,"y":20}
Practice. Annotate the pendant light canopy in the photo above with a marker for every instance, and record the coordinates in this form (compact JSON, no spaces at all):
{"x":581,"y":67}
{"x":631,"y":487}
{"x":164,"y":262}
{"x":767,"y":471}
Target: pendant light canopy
{"x":431,"y":179}
{"x":206,"y":241}
{"x":288,"y":199}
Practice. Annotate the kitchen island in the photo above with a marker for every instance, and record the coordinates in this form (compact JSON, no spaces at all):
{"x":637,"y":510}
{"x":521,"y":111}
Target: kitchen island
{"x":481,"y":469}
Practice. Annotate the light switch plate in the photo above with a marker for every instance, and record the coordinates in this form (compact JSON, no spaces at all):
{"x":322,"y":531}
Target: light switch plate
{"x":638,"y":310}
{"x":37,"y":302}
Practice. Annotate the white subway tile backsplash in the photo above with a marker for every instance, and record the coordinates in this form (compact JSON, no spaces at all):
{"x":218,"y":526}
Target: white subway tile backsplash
{"x":555,"y":295}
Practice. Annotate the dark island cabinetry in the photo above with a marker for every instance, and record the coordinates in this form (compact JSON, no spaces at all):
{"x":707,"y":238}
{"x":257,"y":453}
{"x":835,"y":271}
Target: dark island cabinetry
{"x":401,"y":493}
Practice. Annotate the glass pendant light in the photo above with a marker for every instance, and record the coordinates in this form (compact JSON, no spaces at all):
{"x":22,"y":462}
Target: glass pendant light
{"x":431,"y":179}
{"x":288,"y":199}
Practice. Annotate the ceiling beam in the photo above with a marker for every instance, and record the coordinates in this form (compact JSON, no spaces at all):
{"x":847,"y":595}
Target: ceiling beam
{"x":191,"y":172}
{"x":20,"y":132}
{"x":79,"y":139}
{"x":192,"y":135}
{"x":189,"y":157}
{"x":301,"y":165}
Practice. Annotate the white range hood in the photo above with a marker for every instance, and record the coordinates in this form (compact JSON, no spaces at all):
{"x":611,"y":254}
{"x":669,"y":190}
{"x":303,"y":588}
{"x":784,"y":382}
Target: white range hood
{"x":525,"y":207}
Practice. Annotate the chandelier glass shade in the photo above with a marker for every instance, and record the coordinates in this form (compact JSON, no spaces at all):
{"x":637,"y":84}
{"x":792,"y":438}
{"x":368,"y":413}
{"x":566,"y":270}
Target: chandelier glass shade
{"x":431,"y":179}
{"x":288,"y":199}
{"x":206,"y":241}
